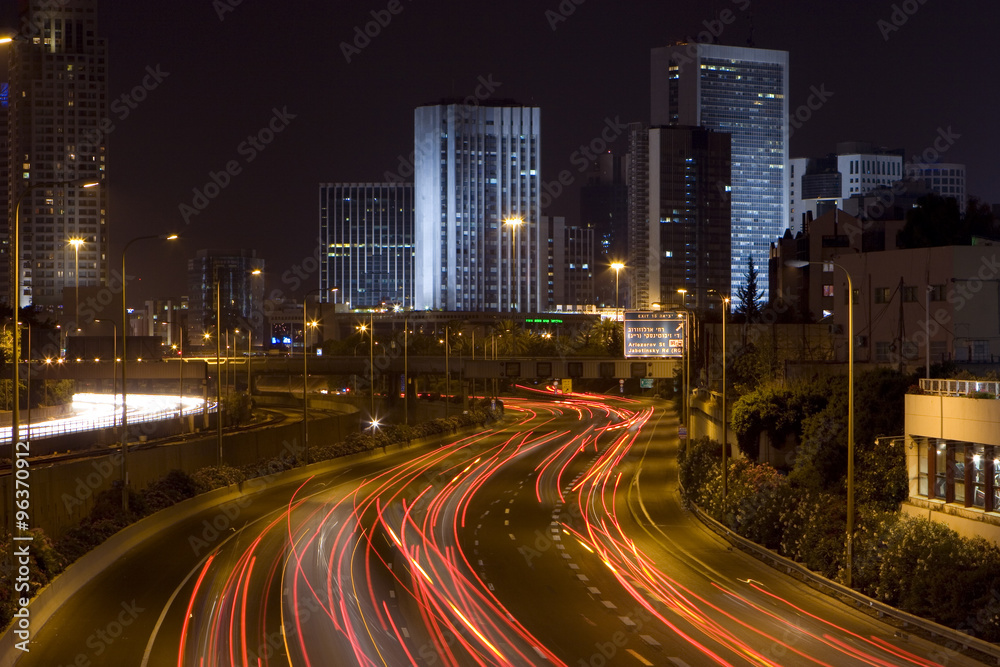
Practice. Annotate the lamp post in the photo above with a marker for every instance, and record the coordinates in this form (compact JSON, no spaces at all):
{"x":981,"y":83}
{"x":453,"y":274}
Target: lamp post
{"x":617,"y":266}
{"x":447,"y":373}
{"x":798,"y":264}
{"x":687,"y":361}
{"x":76,"y":243}
{"x":15,"y":304}
{"x":306,"y":325}
{"x":725,"y":421}
{"x":124,"y":436}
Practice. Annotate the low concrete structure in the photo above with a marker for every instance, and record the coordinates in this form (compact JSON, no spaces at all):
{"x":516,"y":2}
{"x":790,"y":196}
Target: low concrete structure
{"x":953,"y":455}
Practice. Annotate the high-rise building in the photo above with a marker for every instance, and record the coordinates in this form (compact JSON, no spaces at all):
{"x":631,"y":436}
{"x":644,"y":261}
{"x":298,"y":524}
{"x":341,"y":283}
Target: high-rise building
{"x":689,"y":217}
{"x":570,"y":265}
{"x":742,"y":91}
{"x":241,"y":292}
{"x":56,"y":130}
{"x":366,"y":235}
{"x":637,"y":175}
{"x":477,"y":188}
{"x":818,"y":185}
{"x":604,"y":207}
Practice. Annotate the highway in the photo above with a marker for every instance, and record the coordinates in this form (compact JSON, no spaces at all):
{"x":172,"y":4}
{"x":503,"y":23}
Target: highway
{"x":558,"y":539}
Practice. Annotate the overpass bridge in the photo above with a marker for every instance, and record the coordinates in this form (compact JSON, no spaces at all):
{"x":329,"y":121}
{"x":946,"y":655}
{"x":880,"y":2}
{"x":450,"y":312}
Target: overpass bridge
{"x":194,"y":374}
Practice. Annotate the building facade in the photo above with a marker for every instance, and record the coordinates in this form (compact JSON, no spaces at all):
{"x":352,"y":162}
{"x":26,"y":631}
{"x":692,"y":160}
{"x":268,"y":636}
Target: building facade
{"x":239,"y":277}
{"x":58,"y":103}
{"x":742,"y":91}
{"x":818,"y":185}
{"x":637,"y":173}
{"x":689,"y":217}
{"x":569,"y":265}
{"x":947,"y":180}
{"x":366,"y":235}
{"x":477,"y":188}
{"x":604,"y":207}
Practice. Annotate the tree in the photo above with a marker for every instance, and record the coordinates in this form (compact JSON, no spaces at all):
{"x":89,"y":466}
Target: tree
{"x":937,"y":221}
{"x":749,"y":298}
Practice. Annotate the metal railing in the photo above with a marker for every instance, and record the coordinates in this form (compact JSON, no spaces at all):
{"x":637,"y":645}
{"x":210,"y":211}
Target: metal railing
{"x":49,"y":429}
{"x":959,"y":387}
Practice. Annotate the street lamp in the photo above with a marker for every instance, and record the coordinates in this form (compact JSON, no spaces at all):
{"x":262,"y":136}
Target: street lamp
{"x":687,"y":361}
{"x":515,"y":224}
{"x":125,"y":327}
{"x":617,"y":266}
{"x":725,"y":421}
{"x":798,"y":264}
{"x":15,"y":304}
{"x":76,"y":243}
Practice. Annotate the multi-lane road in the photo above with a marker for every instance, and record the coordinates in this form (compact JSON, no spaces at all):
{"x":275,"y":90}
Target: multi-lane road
{"x":558,"y":539}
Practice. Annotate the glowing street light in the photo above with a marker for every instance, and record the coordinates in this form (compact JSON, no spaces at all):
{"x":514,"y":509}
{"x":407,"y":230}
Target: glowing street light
{"x":617,"y":266}
{"x":76,"y":243}
{"x":515,"y":225}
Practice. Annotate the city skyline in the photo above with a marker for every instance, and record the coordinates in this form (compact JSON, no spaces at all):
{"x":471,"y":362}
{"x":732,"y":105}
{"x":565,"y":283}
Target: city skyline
{"x":220,"y":93}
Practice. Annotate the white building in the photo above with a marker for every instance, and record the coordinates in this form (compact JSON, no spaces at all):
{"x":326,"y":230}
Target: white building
{"x":818,"y":185}
{"x":742,"y":91}
{"x":476,"y":168}
{"x":946,"y":179}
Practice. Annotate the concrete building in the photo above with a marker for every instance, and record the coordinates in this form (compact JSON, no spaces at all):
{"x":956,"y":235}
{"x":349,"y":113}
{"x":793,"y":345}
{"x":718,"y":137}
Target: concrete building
{"x":476,"y":168}
{"x":604,"y":207}
{"x":689,"y":216}
{"x":637,"y":174}
{"x":895,"y":290}
{"x":947,"y":180}
{"x":56,"y":114}
{"x":809,"y":290}
{"x":742,"y":91}
{"x":241,"y":293}
{"x":570,"y":266}
{"x":953,"y":455}
{"x":366,"y":236}
{"x":818,"y":185}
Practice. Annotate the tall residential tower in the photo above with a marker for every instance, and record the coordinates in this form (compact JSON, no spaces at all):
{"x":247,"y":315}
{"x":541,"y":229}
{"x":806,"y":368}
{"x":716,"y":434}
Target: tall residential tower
{"x":477,"y":186}
{"x":57,"y":110}
{"x":742,"y":91}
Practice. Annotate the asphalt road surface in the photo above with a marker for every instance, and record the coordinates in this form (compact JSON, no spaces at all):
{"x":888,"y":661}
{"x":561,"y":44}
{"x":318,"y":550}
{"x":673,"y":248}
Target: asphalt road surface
{"x":558,"y":539}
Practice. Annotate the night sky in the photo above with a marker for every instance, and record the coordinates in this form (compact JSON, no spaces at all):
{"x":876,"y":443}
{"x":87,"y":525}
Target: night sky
{"x":228,"y":71}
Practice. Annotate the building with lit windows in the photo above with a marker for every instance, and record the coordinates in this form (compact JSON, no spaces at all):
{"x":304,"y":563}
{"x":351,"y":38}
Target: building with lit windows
{"x":604,"y":208}
{"x":742,"y":91}
{"x":818,"y":185}
{"x":689,"y":216}
{"x":947,"y":180}
{"x":477,"y":188}
{"x":58,"y":101}
{"x":240,"y":290}
{"x":366,"y":236}
{"x":570,"y":265}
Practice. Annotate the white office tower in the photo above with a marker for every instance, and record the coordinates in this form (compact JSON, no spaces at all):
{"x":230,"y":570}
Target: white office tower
{"x":742,"y":91}
{"x":477,"y":185}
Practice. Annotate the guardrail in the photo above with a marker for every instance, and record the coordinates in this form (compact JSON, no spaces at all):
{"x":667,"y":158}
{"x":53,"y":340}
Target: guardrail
{"x":61,"y":427}
{"x":968,"y":642}
{"x":959,"y":387}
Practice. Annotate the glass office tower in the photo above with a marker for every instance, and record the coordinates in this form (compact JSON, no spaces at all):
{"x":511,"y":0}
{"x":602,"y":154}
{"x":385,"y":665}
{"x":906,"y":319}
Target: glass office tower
{"x":742,"y":91}
{"x":477,"y":189}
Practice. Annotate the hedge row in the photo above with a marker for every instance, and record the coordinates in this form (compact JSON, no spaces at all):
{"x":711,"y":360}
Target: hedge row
{"x":49,"y":558}
{"x":916,"y":565}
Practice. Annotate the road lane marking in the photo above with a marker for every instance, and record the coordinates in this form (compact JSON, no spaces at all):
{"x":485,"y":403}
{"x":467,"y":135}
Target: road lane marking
{"x":639,"y":658}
